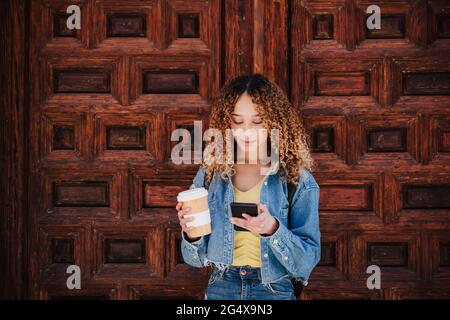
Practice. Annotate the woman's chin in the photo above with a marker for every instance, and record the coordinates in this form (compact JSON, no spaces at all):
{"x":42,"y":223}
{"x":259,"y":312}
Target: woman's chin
{"x":251,"y":149}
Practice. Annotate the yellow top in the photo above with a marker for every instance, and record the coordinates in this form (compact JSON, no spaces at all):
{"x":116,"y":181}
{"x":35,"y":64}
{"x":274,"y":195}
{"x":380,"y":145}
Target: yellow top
{"x":247,"y":244}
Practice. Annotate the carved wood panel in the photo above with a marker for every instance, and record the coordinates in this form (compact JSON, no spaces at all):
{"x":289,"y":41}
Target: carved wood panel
{"x":95,"y":117}
{"x":375,"y":104}
{"x":104,"y":102}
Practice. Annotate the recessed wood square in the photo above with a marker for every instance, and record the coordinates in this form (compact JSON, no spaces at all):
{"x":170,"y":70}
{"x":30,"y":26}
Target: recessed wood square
{"x":392,"y":27}
{"x":126,"y":25}
{"x":81,"y":194}
{"x":188,"y":25}
{"x":125,"y":250}
{"x":323,"y":27}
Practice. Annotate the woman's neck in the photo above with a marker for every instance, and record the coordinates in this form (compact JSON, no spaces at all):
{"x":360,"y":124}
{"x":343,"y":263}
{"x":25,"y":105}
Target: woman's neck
{"x":249,"y":169}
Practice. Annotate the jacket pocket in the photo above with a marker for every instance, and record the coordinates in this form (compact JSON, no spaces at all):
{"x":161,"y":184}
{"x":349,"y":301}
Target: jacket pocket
{"x":283,"y":213}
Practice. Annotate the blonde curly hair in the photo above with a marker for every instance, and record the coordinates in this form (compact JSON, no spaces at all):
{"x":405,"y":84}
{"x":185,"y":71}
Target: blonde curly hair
{"x":275,"y":111}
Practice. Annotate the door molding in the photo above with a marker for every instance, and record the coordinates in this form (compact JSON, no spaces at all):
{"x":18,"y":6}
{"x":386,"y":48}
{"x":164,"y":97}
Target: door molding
{"x":13,"y":154}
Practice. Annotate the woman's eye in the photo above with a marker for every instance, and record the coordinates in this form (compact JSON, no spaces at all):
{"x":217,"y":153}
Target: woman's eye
{"x":257,"y":122}
{"x":238,"y":122}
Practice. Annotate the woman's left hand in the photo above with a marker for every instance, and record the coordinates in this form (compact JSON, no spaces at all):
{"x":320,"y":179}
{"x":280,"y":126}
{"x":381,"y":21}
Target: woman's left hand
{"x":264,"y":223}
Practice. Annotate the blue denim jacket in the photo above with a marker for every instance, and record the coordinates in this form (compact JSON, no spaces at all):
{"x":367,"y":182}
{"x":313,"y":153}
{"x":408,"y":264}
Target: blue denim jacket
{"x":292,"y":251}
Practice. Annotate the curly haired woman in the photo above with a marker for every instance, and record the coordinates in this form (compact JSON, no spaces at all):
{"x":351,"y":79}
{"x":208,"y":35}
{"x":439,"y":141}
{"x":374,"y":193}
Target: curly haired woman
{"x":260,"y":261}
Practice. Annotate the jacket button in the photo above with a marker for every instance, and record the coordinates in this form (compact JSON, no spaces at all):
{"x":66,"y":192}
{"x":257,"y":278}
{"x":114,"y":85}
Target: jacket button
{"x":243,"y":272}
{"x":285,"y":257}
{"x":265,"y":255}
{"x":275,"y":241}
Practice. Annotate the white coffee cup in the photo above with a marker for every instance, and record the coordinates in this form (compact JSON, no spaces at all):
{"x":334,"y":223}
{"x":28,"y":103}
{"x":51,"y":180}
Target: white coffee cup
{"x":197,"y":200}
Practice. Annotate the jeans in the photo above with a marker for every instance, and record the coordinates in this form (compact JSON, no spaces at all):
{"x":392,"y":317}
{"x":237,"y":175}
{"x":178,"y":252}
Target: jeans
{"x":244,"y":283}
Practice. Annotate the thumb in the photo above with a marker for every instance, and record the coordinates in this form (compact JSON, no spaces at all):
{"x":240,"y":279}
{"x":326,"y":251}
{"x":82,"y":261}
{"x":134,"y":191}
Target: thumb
{"x":261,"y":208}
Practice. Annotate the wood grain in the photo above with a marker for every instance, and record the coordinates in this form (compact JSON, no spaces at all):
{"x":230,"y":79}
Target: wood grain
{"x":87,"y":117}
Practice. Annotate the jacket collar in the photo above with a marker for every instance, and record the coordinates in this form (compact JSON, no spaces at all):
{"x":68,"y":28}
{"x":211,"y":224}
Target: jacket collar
{"x":273,"y":170}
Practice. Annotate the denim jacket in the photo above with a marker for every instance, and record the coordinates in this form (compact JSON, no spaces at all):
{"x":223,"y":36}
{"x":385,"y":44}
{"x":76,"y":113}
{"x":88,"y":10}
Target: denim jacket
{"x":292,"y":251}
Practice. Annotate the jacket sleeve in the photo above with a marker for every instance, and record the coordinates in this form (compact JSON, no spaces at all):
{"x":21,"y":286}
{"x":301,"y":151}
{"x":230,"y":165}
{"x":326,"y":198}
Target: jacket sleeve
{"x":298,"y":248}
{"x":194,"y":253}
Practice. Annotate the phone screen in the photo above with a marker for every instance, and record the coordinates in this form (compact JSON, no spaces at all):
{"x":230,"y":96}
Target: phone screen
{"x":238,"y":208}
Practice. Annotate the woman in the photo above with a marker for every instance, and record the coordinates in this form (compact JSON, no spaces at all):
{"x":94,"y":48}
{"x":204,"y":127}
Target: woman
{"x":258,"y":263}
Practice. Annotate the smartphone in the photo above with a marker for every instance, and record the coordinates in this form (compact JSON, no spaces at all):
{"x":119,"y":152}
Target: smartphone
{"x":238,"y":208}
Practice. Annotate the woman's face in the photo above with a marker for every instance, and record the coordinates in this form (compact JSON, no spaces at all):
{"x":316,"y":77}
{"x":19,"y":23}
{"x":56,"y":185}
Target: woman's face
{"x":247,"y":127}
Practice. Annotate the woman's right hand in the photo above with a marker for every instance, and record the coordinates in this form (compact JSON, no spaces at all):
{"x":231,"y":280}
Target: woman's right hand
{"x":184,"y":220}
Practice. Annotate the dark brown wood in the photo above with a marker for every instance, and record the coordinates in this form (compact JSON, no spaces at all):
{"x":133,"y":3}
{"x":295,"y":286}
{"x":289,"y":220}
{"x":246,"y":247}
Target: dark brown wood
{"x":13,"y":110}
{"x":375,"y":104}
{"x":238,"y":54}
{"x":126,"y":25}
{"x":103,"y":183}
{"x":87,"y":117}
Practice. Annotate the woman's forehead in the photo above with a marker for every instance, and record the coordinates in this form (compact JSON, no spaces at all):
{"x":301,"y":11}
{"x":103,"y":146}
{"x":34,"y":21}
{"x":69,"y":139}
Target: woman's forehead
{"x":245,"y":106}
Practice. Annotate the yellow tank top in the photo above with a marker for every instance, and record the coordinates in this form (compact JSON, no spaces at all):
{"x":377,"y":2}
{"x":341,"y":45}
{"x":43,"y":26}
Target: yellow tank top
{"x":246,"y":243}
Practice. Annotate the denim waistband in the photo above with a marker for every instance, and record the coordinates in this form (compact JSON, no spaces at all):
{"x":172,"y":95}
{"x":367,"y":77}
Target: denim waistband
{"x":247,"y":272}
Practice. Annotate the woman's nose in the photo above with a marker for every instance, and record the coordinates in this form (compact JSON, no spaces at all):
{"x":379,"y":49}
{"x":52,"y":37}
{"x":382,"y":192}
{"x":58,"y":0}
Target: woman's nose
{"x":250,"y":132}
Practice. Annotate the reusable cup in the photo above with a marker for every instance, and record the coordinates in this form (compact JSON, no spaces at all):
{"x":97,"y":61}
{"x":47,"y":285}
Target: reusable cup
{"x":197,"y":200}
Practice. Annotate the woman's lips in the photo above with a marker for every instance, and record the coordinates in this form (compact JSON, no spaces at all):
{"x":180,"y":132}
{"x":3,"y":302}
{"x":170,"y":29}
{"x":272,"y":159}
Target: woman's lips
{"x":249,"y":141}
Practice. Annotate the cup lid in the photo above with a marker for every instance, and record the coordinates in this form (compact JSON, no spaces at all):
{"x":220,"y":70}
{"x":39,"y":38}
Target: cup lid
{"x":192,"y":194}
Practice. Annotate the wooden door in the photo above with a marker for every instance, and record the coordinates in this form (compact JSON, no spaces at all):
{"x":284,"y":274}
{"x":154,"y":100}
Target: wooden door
{"x":104,"y":102}
{"x":87,"y":117}
{"x":376,"y":104}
